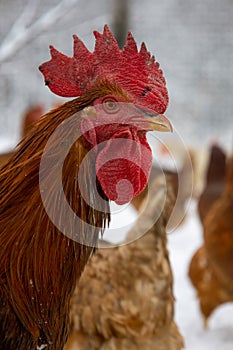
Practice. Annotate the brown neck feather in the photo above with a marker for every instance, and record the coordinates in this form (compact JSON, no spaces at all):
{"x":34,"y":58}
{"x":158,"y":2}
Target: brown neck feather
{"x":39,"y":266}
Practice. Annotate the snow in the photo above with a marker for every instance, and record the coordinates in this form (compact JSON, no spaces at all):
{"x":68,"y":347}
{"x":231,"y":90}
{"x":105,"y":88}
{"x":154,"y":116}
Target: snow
{"x":43,"y":346}
{"x":6,"y":144}
{"x":123,"y":217}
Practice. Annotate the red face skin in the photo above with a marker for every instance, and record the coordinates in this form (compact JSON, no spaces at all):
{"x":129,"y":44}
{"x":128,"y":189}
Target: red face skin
{"x":124,"y":159}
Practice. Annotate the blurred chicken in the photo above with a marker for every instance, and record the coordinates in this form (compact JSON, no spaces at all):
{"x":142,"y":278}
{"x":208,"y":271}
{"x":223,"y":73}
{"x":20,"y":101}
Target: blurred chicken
{"x":171,"y":177}
{"x":124,"y":299}
{"x":215,"y":180}
{"x":31,"y":115}
{"x":211,"y":268}
{"x":199,"y":159}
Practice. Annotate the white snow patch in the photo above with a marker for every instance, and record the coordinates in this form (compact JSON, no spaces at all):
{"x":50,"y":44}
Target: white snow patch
{"x":123,"y":218}
{"x":41,"y":347}
{"x":6,"y":145}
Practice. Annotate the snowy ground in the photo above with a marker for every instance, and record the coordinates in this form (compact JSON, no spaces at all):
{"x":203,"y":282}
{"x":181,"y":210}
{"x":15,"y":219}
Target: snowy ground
{"x":6,"y":145}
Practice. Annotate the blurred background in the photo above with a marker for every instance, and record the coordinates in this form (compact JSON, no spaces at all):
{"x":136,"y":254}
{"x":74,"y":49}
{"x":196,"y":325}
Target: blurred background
{"x":192,"y":40}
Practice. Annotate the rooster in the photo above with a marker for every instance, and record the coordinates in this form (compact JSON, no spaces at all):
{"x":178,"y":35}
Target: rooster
{"x":120,"y":94}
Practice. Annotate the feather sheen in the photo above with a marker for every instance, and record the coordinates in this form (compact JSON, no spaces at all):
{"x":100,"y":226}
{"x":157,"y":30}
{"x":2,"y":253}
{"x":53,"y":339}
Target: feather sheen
{"x":39,"y":266}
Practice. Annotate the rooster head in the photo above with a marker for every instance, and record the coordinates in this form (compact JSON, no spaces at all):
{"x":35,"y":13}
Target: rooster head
{"x":130,"y":99}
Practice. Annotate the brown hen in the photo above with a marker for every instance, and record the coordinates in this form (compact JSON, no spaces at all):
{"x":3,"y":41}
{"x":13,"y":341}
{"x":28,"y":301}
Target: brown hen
{"x":125,"y":296}
{"x":211,"y":268}
{"x":215,"y":180}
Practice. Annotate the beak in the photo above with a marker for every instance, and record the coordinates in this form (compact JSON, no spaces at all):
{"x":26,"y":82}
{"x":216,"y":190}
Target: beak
{"x":150,"y":121}
{"x":157,"y":122}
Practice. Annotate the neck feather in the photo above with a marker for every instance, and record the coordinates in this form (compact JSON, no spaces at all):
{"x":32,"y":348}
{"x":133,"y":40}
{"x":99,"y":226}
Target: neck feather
{"x":39,"y":265}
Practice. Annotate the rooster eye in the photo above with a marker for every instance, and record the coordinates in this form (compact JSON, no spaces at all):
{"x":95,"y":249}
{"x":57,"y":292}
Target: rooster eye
{"x":111,"y":106}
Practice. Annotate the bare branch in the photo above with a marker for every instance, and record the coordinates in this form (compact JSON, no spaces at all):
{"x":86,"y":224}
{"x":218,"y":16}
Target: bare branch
{"x":16,"y":39}
{"x":23,"y":20}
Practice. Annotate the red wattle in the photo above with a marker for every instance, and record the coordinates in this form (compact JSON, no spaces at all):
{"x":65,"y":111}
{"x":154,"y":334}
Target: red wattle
{"x":123,"y":166}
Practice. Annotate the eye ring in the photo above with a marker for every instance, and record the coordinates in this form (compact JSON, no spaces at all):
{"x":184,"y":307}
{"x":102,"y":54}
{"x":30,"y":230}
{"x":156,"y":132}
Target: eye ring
{"x":111,"y":106}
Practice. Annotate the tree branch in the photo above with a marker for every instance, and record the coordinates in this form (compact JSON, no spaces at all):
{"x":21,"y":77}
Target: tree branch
{"x":21,"y":34}
{"x":22,"y":21}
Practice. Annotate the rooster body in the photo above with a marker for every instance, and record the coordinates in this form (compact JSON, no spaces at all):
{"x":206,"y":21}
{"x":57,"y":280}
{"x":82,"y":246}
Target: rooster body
{"x":43,"y":250}
{"x":38,"y":275}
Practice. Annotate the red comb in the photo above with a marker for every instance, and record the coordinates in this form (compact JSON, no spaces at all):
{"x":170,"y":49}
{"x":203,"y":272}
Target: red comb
{"x":135,"y":72}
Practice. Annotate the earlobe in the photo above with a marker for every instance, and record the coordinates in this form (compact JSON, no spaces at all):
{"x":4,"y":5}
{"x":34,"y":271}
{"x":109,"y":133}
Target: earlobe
{"x":88,"y":131}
